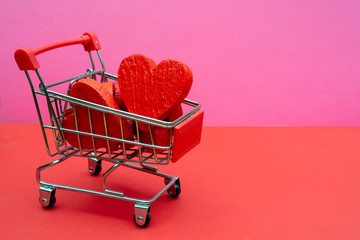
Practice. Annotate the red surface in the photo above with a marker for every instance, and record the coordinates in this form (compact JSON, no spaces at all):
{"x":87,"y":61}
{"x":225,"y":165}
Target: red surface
{"x":150,"y":90}
{"x":239,"y":183}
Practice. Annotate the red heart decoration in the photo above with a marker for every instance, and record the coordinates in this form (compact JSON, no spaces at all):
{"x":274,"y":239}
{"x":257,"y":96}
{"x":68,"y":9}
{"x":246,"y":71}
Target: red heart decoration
{"x":92,"y":91}
{"x":160,"y":136}
{"x":118,"y":98}
{"x":150,"y":90}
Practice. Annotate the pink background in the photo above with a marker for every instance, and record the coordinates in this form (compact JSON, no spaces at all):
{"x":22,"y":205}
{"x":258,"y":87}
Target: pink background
{"x":255,"y":62}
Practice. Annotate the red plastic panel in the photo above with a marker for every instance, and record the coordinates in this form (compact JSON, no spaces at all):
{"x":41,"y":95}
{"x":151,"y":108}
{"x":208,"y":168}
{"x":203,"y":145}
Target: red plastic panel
{"x":187,"y":135}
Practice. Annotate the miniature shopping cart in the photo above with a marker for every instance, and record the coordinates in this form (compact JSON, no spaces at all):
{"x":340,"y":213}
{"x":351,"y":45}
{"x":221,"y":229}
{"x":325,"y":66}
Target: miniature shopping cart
{"x":185,"y":131}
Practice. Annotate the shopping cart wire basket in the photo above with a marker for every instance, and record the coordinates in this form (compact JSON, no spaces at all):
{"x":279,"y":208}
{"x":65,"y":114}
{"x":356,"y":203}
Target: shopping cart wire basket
{"x":185,"y":131}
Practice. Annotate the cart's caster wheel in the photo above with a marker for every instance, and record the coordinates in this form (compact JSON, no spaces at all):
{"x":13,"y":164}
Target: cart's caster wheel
{"x":175,"y":190}
{"x":142,"y":216}
{"x":94,"y":166}
{"x":47,"y":196}
{"x":140,"y":220}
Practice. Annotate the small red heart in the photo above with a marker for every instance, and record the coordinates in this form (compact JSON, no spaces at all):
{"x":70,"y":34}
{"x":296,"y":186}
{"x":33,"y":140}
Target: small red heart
{"x":118,"y":98}
{"x":160,"y":136}
{"x":150,"y":90}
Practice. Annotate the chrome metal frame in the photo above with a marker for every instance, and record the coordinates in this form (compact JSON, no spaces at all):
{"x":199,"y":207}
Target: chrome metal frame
{"x":132,"y":157}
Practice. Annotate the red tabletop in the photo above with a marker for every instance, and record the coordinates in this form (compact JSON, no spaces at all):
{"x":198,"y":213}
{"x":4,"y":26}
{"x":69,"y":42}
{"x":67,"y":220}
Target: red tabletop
{"x":239,"y":183}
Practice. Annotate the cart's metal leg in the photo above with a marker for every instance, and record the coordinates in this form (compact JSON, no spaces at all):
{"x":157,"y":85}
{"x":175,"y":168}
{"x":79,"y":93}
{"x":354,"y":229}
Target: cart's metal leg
{"x":142,"y":215}
{"x":106,"y":174}
{"x":47,"y":196}
{"x":51,"y":164}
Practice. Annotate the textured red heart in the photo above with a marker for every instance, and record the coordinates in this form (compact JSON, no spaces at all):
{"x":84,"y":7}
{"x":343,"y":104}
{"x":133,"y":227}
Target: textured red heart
{"x":150,"y":90}
{"x":102,"y":94}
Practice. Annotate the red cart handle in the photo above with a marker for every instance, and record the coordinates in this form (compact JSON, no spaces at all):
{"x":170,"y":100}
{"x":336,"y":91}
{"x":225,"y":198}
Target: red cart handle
{"x":26,"y":57}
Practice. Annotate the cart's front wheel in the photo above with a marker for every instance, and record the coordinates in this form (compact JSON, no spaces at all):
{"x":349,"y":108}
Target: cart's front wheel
{"x":141,"y":222}
{"x":142,"y":215}
{"x":47,"y":197}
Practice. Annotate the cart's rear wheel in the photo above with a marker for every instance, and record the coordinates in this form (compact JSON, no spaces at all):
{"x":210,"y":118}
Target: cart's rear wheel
{"x":175,"y":190}
{"x":52,"y":201}
{"x":94,"y":167}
